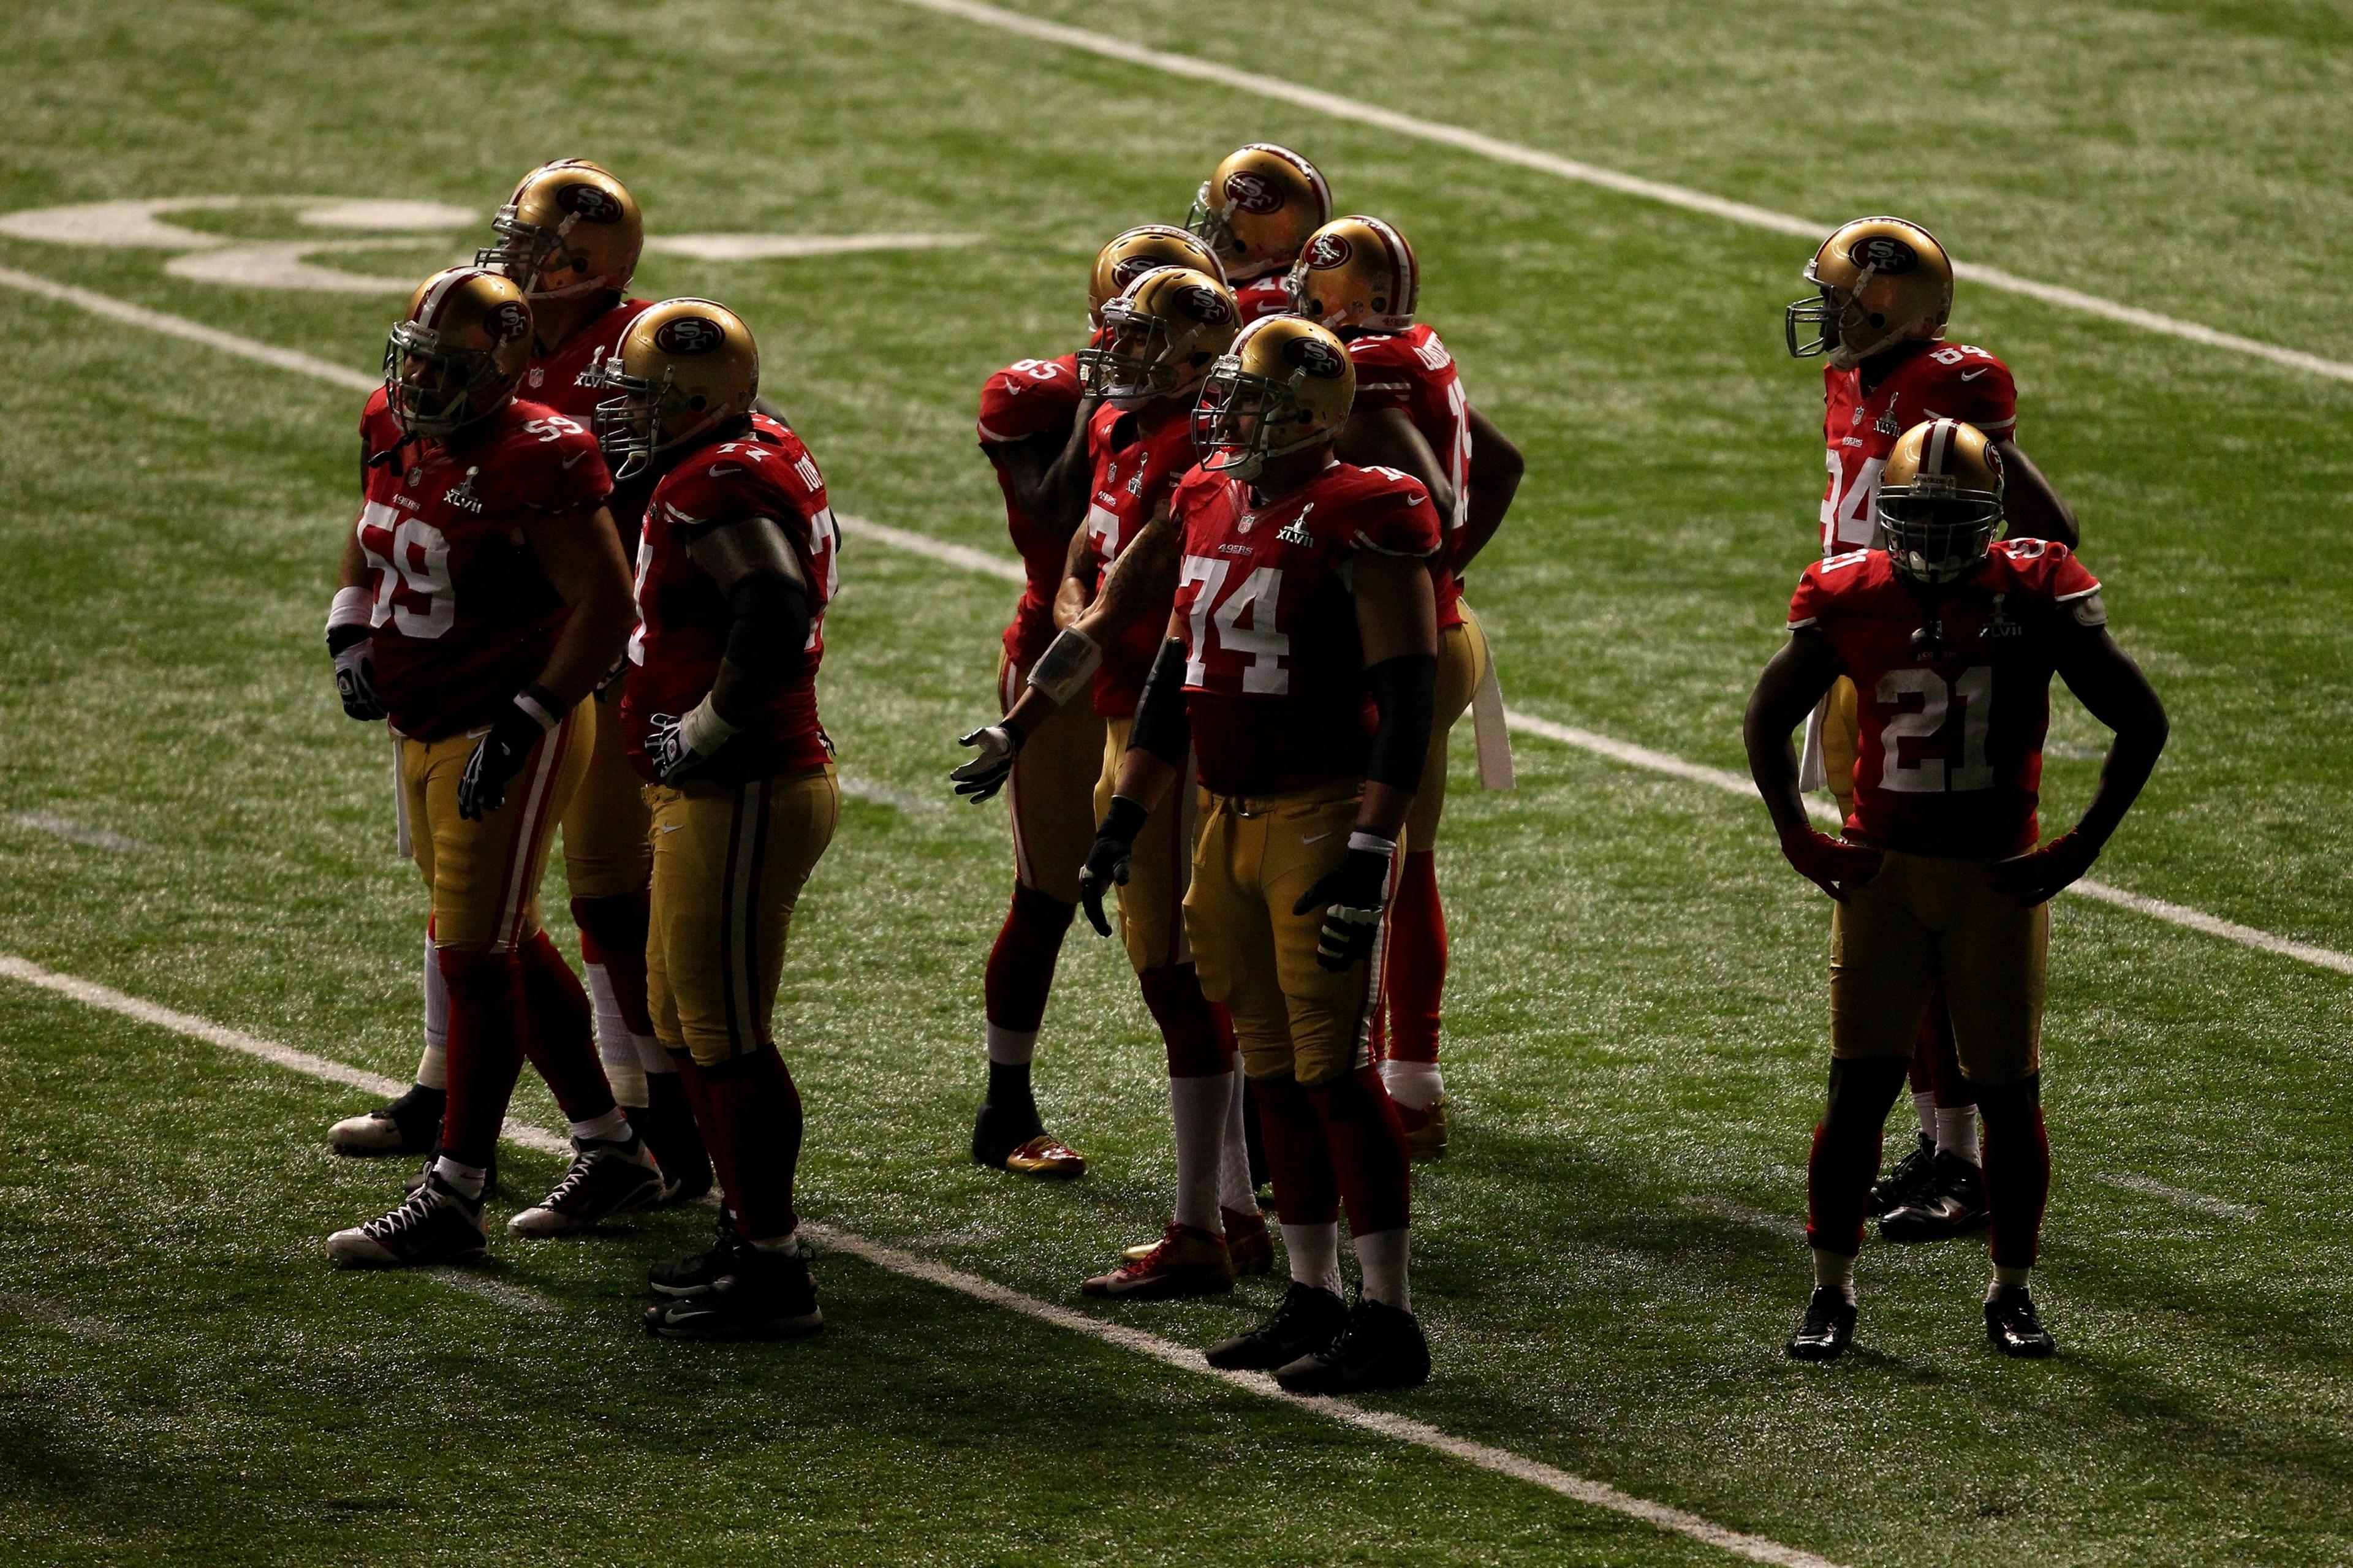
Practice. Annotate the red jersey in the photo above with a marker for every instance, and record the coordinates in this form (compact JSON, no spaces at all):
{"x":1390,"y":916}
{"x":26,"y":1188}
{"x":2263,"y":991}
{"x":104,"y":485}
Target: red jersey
{"x":1411,"y":370}
{"x":1133,"y":475}
{"x":565,"y":381}
{"x":683,"y":618}
{"x":1267,"y":296}
{"x":1029,"y":397}
{"x":1274,"y":674}
{"x":463,"y":617}
{"x":1951,"y":756}
{"x":1936,"y":381}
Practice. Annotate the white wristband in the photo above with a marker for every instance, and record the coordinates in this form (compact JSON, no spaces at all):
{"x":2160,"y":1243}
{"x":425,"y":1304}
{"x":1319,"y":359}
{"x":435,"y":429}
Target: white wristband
{"x":538,"y":712}
{"x":1069,"y":662}
{"x":351,"y":609}
{"x":703,"y":731}
{"x":1384,"y":847}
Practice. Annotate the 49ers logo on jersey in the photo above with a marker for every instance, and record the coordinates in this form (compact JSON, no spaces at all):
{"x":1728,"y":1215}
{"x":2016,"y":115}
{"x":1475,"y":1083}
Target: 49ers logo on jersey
{"x":1329,"y":250}
{"x":688,"y":335}
{"x":1883,"y":253}
{"x":1252,"y":192}
{"x":589,"y":202}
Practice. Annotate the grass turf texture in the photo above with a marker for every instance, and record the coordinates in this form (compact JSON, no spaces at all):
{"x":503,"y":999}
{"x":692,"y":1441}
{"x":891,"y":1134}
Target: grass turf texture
{"x":1609,"y":1265}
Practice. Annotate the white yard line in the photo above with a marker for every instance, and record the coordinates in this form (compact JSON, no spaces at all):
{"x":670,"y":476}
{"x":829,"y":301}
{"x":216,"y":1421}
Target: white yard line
{"x":1184,"y":1358}
{"x":1512,"y":152}
{"x":2183,"y":1197}
{"x":513,"y":1298}
{"x":74,"y":831}
{"x":180,"y":327}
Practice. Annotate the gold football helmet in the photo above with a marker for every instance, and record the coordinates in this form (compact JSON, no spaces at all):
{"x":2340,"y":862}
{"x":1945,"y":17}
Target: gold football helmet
{"x":460,"y":352}
{"x":1879,"y":280}
{"x":684,"y":368}
{"x":1132,"y":255}
{"x":1257,"y":207}
{"x":1940,"y":501}
{"x":570,"y":229}
{"x":1355,"y":274}
{"x":1286,"y":385}
{"x":1160,"y":336}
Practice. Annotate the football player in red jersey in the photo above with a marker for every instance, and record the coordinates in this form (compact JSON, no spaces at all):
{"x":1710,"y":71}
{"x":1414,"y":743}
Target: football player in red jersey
{"x":1357,"y":275}
{"x":486,"y":581}
{"x":1883,"y":290}
{"x":1255,"y":211}
{"x":1028,"y":413}
{"x":1950,"y":641}
{"x":570,"y":235}
{"x":736,"y":564}
{"x":1295,"y":680}
{"x":1160,"y":337}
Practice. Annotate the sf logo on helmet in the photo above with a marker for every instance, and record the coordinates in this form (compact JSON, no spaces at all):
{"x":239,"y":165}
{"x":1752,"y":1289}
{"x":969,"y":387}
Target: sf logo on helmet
{"x":1203,"y":304}
{"x":688,"y":335}
{"x":1329,"y":250}
{"x":1314,"y":356}
{"x":507,"y":320}
{"x":1884,"y":253}
{"x":590,"y":202}
{"x":1252,"y":192}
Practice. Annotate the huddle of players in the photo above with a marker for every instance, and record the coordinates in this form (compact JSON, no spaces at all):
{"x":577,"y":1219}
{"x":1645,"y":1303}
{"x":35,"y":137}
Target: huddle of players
{"x":1245,"y":508}
{"x":1920,"y":656}
{"x":536,"y":427}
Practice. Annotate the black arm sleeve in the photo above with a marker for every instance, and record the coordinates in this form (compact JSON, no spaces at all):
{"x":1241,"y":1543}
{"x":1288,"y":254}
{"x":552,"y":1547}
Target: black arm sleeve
{"x":1161,"y":725}
{"x":1406,"y":691}
{"x":771,"y":623}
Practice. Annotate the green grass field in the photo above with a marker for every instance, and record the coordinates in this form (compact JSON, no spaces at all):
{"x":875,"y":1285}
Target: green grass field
{"x":1608,"y":1266}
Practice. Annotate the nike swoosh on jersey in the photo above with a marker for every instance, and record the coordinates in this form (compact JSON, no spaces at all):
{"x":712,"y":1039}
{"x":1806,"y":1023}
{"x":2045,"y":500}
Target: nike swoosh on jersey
{"x":721,"y":470}
{"x":1971,"y":374}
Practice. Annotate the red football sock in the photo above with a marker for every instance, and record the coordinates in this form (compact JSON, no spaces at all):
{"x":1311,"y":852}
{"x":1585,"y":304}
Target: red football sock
{"x":1021,"y":965}
{"x":1417,"y":960}
{"x":1845,"y":1158}
{"x":559,"y":1035}
{"x":486,"y":1028}
{"x":1197,"y":1048}
{"x":2017,"y":1169}
{"x":613,"y":933}
{"x":1298,"y":1154}
{"x":695,"y":1080}
{"x":1368,"y":1151}
{"x":756,"y":1120}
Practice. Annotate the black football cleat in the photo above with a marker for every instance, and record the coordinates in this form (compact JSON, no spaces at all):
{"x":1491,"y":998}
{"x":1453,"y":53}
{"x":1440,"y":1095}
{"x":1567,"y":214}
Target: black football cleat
{"x":1307,"y":1322}
{"x":2014,"y":1327}
{"x":761,"y":1295}
{"x":607,"y":1178}
{"x":1379,"y":1347}
{"x":1013,"y":1139}
{"x":1952,"y":1204}
{"x":409,"y":1125}
{"x":1905,"y":1179}
{"x":694,"y":1274}
{"x":436,"y":1224}
{"x":1828,"y":1328}
{"x":667,"y":1124}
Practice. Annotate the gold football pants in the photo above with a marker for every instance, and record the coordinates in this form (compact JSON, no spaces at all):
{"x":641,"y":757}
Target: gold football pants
{"x":605,"y":850}
{"x":1152,"y":922}
{"x":1461,"y":665}
{"x":1257,"y":858}
{"x":1925,"y":918}
{"x":729,"y":862}
{"x":1052,"y":790}
{"x":484,"y":876}
{"x":1841,"y":743}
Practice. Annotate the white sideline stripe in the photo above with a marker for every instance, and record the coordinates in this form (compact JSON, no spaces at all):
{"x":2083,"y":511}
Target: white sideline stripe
{"x":1524,"y":157}
{"x":73,"y":831}
{"x":2183,"y":1197}
{"x":1184,"y":1358}
{"x":989,"y":563}
{"x":514,"y":1298}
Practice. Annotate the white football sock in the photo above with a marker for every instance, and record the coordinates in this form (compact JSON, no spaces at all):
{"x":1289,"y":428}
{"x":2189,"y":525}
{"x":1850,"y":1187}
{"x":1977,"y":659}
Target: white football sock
{"x":1234,"y":1189}
{"x":2005,"y":1277}
{"x":433,"y":1067}
{"x":788,"y":1242}
{"x":1834,"y":1272}
{"x":1413,"y":1084}
{"x":1924,"y":1106}
{"x":1957,"y":1131}
{"x":616,"y":1046}
{"x":1014,"y":1047}
{"x":1200,"y":1107}
{"x":469,"y":1180}
{"x":1315,"y":1254}
{"x":613,"y":1127}
{"x":653,"y":1057}
{"x":1382,"y":1258}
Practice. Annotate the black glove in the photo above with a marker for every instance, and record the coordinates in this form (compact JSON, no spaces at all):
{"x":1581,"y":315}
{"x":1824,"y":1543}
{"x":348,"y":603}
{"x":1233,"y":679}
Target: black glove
{"x":1107,"y":861}
{"x":501,"y":753}
{"x":1352,"y":894}
{"x":982,"y":776}
{"x":353,"y":650}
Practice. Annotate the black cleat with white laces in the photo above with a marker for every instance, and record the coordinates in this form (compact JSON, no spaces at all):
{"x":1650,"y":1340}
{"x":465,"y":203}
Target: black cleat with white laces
{"x":761,"y":1294}
{"x":1952,"y":1204}
{"x":2014,"y":1327}
{"x":694,"y":1274}
{"x":1381,"y":1346}
{"x":1828,"y":1327}
{"x":409,"y":1125}
{"x":1905,"y":1179}
{"x":1308,"y":1320}
{"x":437,"y":1224}
{"x":607,"y":1178}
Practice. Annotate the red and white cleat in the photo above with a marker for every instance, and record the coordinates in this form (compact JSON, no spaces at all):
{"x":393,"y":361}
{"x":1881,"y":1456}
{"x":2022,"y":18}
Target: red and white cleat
{"x":1186,"y":1261}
